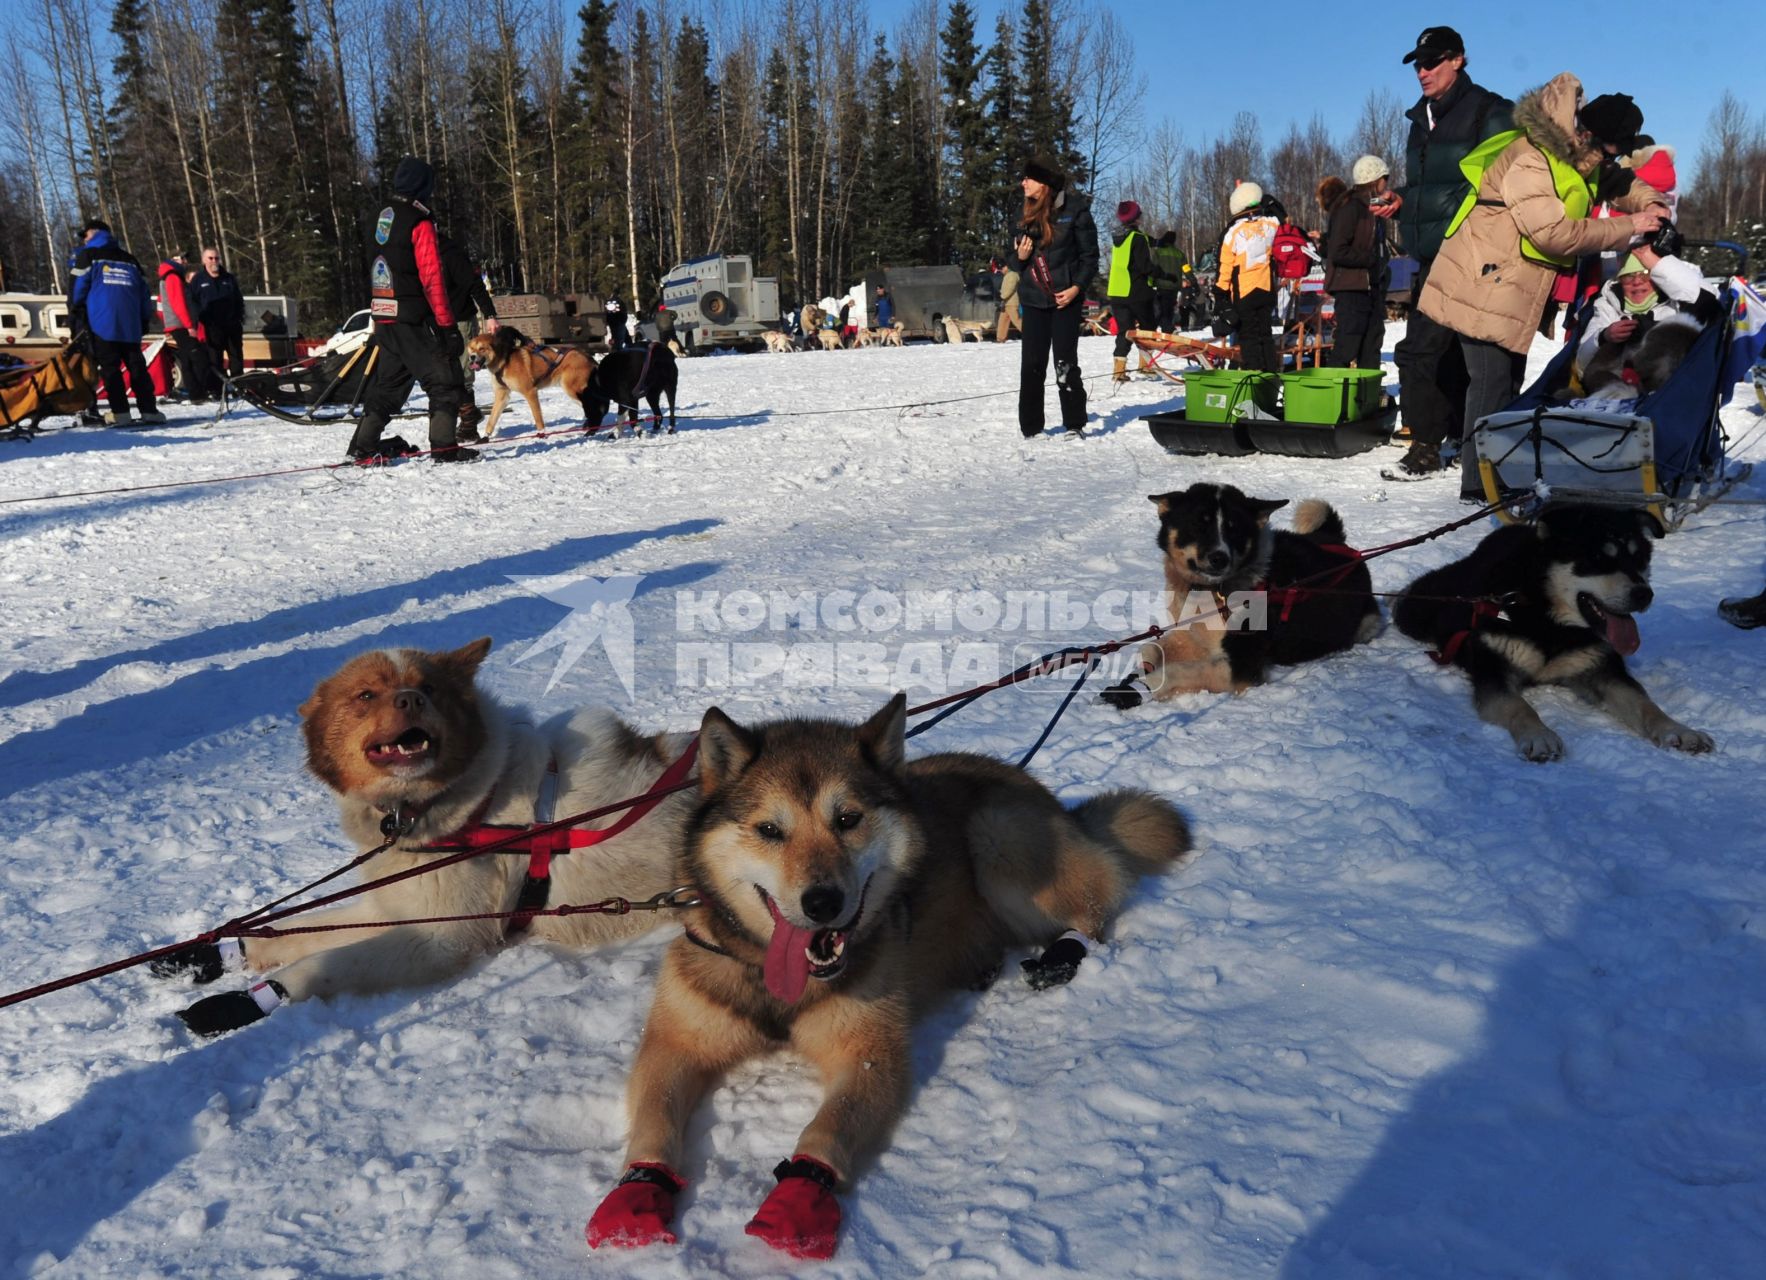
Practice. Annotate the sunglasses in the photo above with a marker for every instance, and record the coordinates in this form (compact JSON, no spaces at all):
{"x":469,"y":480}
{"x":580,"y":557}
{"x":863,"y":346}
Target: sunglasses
{"x":1431,"y":62}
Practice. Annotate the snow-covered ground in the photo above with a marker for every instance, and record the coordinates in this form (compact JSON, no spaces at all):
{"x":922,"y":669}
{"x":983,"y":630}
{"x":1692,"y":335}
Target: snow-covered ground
{"x":1417,"y":1009}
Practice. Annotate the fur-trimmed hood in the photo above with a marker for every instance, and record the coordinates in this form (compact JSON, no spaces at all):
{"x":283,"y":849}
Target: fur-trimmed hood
{"x":1548,"y":116}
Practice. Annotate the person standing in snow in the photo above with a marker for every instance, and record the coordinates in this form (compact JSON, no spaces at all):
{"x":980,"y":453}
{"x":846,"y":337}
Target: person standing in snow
{"x":112,"y":301}
{"x":1055,"y":247}
{"x":220,"y":306}
{"x":183,"y":330}
{"x":413,"y":322}
{"x":1134,"y":273}
{"x":1247,"y":276}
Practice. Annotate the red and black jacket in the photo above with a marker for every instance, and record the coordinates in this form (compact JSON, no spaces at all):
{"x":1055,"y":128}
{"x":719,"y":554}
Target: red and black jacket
{"x":407,"y":283}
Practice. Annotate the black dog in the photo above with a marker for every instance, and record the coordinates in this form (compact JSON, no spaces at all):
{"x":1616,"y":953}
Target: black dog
{"x":622,"y":378}
{"x":1257,"y":596}
{"x":1548,"y":604}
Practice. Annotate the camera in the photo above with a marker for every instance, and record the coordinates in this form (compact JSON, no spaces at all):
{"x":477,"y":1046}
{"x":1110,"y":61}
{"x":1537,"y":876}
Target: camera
{"x":1026,"y":231}
{"x":1668,"y":241}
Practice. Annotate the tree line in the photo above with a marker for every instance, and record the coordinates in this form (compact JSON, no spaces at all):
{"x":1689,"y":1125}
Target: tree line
{"x":794,"y":132}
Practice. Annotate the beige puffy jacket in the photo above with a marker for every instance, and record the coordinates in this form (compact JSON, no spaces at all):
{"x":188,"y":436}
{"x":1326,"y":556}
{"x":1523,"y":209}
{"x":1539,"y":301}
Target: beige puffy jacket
{"x":1481,"y":286}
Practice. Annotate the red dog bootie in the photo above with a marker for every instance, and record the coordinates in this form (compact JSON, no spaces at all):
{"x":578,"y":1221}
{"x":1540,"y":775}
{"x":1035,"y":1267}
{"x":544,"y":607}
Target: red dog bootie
{"x":638,"y":1211}
{"x":801,"y":1215}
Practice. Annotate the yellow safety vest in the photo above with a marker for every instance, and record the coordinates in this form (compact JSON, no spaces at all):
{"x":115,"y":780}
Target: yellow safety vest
{"x":1120,"y":284}
{"x":1571,"y":187}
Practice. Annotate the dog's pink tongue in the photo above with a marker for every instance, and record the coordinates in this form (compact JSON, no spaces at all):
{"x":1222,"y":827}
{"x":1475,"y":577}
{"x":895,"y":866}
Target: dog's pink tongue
{"x":787,"y":961}
{"x":1622,"y":633}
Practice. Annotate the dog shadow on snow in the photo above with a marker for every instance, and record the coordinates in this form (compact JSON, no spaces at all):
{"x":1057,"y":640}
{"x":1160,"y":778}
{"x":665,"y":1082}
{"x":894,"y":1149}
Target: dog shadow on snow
{"x":64,"y":1178}
{"x":1608,"y":1124}
{"x":138,"y":727}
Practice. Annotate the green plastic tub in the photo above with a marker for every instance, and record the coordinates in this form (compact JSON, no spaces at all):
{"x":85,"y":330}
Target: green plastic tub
{"x":1223,"y":395}
{"x":1326,"y":397}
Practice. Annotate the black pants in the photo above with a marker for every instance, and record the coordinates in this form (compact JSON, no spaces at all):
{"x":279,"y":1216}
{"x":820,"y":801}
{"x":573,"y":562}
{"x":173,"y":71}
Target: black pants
{"x":412,"y":353}
{"x":113,"y":358}
{"x":1051,"y":329}
{"x":1130,"y":313}
{"x":192,"y":358}
{"x":1252,"y":316}
{"x":1431,"y":374}
{"x":1360,"y":330}
{"x":226,"y":354}
{"x":1493,"y":379}
{"x":1164,"y":309}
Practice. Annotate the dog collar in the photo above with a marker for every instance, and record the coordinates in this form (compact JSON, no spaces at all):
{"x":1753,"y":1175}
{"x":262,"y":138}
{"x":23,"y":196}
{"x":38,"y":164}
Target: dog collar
{"x":697,"y":941}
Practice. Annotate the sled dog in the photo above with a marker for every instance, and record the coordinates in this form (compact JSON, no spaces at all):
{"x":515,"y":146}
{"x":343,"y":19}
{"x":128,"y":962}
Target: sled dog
{"x":1555,"y":603}
{"x":830,"y":339}
{"x":842,"y":889}
{"x":1235,"y":577}
{"x":623,"y":378}
{"x":408,"y":734}
{"x":777,"y":340}
{"x":890,"y":335}
{"x":1651,"y":360}
{"x":519,"y":365}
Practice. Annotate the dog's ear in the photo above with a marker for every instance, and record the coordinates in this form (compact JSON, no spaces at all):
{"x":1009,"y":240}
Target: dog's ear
{"x":466,"y":658}
{"x":1651,"y":524}
{"x":884,"y":736}
{"x":1162,"y":501}
{"x":725,"y":749}
{"x":1266,"y":507}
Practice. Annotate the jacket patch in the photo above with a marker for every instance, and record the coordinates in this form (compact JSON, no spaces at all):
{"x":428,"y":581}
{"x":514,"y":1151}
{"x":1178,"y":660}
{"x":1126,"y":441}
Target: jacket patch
{"x":383,"y":228}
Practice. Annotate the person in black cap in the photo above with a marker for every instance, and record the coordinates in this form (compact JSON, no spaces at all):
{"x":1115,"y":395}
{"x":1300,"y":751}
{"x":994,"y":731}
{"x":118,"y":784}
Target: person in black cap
{"x":1055,"y":247}
{"x":1451,"y":118}
{"x":1133,"y":276}
{"x":413,"y":322}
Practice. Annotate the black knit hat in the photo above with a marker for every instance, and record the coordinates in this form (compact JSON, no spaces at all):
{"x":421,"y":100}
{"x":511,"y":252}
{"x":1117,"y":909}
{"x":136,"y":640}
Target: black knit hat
{"x":1045,"y":172}
{"x":413,"y":178}
{"x":1612,"y":117}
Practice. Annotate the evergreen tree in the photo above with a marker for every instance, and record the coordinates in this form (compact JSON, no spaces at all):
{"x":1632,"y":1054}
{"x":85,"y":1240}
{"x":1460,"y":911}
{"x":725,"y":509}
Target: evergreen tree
{"x":969,"y":195}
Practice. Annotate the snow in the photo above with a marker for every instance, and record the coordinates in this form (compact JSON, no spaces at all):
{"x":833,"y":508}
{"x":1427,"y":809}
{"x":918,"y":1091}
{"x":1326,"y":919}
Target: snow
{"x":1417,"y":1008}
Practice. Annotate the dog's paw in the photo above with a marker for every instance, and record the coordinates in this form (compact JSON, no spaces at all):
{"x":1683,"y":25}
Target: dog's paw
{"x":1125,"y":696}
{"x":1674,"y":736}
{"x":1059,"y":962}
{"x":639,"y":1210}
{"x":204,"y":962}
{"x":801,"y":1216}
{"x":232,"y":1010}
{"x":1541,"y":745}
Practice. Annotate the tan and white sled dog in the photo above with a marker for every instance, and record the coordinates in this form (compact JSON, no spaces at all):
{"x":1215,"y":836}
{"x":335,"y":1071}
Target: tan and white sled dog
{"x":528,"y":368}
{"x":843,"y":889}
{"x":779,"y":341}
{"x":408,"y":734}
{"x":830,"y":339}
{"x":890,"y":336}
{"x":865,"y":337}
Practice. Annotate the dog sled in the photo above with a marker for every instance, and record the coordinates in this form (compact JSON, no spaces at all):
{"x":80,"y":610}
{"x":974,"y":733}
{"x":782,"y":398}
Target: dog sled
{"x":325,"y":388}
{"x":1664,"y":451}
{"x":30,"y":391}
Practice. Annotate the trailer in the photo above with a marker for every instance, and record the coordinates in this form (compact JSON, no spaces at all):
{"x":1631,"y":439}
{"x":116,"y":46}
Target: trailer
{"x":718,"y":301}
{"x":924,"y":296}
{"x":36,"y":326}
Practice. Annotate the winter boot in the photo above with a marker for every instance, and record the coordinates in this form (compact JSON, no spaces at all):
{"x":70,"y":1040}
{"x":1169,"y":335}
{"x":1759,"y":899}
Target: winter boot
{"x":1119,"y":370}
{"x":466,"y":429}
{"x":1746,"y":614}
{"x":1420,"y":462}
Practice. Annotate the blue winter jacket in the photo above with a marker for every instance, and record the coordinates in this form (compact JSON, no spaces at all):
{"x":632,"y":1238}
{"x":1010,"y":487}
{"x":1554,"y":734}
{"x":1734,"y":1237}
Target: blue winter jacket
{"x":111,"y":295}
{"x":885,"y":312}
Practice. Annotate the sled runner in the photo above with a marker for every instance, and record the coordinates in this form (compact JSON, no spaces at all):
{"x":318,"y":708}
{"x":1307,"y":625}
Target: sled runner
{"x":1664,"y":450}
{"x":317,"y":389}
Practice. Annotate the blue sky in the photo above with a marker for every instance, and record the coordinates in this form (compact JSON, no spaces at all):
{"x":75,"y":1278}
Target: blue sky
{"x":1285,"y":61}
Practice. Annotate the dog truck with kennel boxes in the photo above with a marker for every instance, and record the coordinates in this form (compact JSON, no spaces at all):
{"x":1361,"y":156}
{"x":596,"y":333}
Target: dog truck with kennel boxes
{"x":719,"y":302}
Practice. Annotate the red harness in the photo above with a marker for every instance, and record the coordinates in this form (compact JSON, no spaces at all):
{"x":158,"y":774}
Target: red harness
{"x":1288,"y":597}
{"x":1482,"y":611}
{"x":537,"y":886}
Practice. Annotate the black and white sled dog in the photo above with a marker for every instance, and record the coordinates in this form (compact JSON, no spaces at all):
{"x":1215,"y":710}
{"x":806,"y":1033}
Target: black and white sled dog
{"x":1550,"y":603}
{"x":1267,"y":597}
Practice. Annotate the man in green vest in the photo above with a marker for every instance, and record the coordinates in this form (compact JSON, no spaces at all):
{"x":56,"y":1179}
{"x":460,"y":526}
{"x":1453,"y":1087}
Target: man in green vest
{"x":1170,"y":263}
{"x":1133,"y":274}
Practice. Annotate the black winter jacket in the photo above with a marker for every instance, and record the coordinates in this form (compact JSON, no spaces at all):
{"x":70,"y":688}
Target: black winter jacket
{"x":1070,"y":258}
{"x":1433,"y":185}
{"x":217,"y":301}
{"x":1354,"y":246}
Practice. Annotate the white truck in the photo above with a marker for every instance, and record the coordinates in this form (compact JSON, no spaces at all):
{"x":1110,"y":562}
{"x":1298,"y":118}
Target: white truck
{"x":718,"y":302}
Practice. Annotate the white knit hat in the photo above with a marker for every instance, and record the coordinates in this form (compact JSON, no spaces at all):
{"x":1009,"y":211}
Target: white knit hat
{"x":1367,"y":169}
{"x":1244,"y":196}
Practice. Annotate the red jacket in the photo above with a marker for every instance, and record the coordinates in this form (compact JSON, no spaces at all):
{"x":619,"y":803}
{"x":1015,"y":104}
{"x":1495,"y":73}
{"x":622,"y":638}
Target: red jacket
{"x":174,"y":303}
